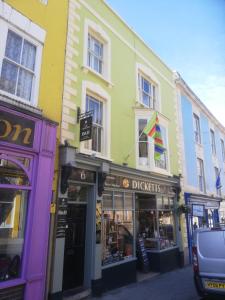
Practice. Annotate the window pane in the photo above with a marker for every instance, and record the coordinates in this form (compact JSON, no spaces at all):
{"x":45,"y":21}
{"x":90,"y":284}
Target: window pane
{"x":143,"y":149}
{"x":146,"y":87}
{"x":28,"y":56}
{"x":166,"y":229}
{"x":11,"y":173}
{"x":141,"y":125}
{"x":118,"y":200}
{"x":99,"y":139}
{"x":147,"y":228}
{"x":145,"y":99}
{"x":77,"y":193}
{"x":96,"y":106}
{"x":93,"y":106}
{"x":128,"y":201}
{"x":13,"y":208}
{"x":117,"y":237}
{"x":94,"y":138}
{"x":146,"y":202}
{"x":8,"y":77}
{"x":100,"y":113}
{"x":24,"y":86}
{"x":96,"y":64}
{"x":107,"y":200}
{"x":97,"y":49}
{"x":13,"y":46}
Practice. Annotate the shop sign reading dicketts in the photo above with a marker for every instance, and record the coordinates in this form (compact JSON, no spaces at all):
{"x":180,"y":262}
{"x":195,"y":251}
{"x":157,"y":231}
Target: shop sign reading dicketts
{"x":16,"y":130}
{"x":138,"y":185}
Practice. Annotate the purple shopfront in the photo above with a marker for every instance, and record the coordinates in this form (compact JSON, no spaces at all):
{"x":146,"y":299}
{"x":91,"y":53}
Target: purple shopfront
{"x":27,"y":151}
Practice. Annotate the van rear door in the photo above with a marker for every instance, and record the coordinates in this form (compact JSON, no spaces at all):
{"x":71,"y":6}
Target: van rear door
{"x":211,"y":253}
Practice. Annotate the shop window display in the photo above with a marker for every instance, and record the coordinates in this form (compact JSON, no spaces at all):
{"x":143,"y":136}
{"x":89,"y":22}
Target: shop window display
{"x":155,"y":222}
{"x":13,"y":206}
{"x":13,"y":210}
{"x":117,"y":227}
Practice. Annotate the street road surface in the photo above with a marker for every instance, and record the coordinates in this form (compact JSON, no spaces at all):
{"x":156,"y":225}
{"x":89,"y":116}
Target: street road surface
{"x":175,"y":285}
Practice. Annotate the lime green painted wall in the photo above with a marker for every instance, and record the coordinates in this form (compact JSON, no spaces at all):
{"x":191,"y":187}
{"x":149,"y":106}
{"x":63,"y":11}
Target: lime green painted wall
{"x":123,"y":77}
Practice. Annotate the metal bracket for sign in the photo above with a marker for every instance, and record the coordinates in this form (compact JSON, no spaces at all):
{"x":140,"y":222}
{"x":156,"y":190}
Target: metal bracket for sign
{"x":83,"y":115}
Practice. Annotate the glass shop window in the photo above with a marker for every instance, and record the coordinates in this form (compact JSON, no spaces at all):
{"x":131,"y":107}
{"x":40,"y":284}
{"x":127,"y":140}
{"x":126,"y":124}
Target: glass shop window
{"x":166,"y":230}
{"x":13,"y":210}
{"x":117,"y":227}
{"x":155,"y":221}
{"x":13,"y":213}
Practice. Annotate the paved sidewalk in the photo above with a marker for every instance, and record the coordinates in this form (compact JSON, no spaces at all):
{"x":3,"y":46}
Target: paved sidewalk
{"x":175,"y":285}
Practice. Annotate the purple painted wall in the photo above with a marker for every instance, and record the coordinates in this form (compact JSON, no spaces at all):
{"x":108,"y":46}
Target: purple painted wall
{"x":37,"y":228}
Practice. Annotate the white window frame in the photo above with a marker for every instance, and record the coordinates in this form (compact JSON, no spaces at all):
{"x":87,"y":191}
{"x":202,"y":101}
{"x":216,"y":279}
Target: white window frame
{"x":213,"y":142}
{"x":92,"y":54}
{"x":216,"y":170}
{"x":150,"y":161}
{"x":201,"y":175}
{"x":100,"y":94}
{"x":99,"y":34}
{"x":12,"y":20}
{"x":148,"y":74}
{"x":222,"y":149}
{"x":197,"y":128}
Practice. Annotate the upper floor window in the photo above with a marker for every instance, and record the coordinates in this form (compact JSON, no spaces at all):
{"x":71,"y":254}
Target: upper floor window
{"x":95,"y":105}
{"x":147,"y":91}
{"x":97,"y":50}
{"x":18,"y":66}
{"x":217,"y":175}
{"x":197,"y":131}
{"x":213,"y":143}
{"x":95,"y":54}
{"x":143,"y":143}
{"x":223,"y":149}
{"x":201,"y":175}
{"x":146,"y":147}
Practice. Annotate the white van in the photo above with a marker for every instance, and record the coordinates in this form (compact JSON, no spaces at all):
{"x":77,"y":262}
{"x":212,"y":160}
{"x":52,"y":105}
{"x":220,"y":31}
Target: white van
{"x":208,"y":260}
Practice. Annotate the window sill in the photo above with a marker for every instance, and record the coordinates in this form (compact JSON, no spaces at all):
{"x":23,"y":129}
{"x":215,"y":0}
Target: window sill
{"x":17,"y":101}
{"x":140,"y":105}
{"x":161,"y":250}
{"x":155,"y":169}
{"x":87,"y":69}
{"x":11,"y":283}
{"x":119,"y":263}
{"x":95,"y":154}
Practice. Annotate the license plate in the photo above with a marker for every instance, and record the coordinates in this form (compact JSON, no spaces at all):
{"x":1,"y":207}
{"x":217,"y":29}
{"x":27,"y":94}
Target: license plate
{"x":214,"y":285}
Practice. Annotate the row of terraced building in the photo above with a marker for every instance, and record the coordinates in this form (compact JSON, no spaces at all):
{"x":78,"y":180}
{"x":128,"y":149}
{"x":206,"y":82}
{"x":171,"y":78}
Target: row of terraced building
{"x":84,"y":205}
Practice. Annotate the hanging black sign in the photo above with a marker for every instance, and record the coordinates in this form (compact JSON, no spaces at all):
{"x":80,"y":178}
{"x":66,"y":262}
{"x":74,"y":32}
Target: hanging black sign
{"x":16,"y":130}
{"x":86,"y":128}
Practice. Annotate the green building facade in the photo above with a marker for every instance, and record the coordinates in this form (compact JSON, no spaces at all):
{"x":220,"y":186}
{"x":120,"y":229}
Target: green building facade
{"x":116,"y":205}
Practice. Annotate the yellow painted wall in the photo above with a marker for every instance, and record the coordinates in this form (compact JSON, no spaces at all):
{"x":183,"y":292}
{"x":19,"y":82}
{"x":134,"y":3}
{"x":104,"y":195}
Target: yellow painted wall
{"x":53,"y":19}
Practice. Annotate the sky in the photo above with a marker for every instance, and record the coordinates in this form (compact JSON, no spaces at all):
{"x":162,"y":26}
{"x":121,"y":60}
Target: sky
{"x":189,"y":36}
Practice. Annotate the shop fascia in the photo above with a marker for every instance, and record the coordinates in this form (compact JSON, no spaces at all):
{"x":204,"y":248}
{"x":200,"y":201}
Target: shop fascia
{"x":113,"y":181}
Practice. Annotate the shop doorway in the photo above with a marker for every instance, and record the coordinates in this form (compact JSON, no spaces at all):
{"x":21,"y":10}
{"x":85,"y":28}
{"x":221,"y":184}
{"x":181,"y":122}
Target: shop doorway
{"x":74,"y":252}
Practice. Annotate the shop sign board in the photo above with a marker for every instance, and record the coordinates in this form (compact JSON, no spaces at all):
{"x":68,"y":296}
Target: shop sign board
{"x":82,"y":175}
{"x":86,"y":128}
{"x":138,"y":185}
{"x":16,"y":130}
{"x":198,"y":210}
